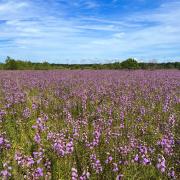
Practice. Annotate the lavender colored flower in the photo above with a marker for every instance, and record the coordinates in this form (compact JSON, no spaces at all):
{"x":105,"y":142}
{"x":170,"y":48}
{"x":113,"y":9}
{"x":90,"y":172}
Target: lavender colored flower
{"x":142,"y":110}
{"x":38,"y":172}
{"x":26,"y":113}
{"x":109,"y":159}
{"x":96,"y":165}
{"x":115,"y":167}
{"x":161,"y":165}
{"x":4,"y":143}
{"x":171,"y":173}
{"x":6,"y":172}
{"x":74,"y":174}
{"x":167,"y":143}
{"x":37,"y":138}
{"x":146,"y":161}
{"x":119,"y":177}
{"x":136,"y":158}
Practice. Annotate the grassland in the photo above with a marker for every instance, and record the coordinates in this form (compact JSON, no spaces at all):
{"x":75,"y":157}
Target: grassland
{"x":87,"y":124}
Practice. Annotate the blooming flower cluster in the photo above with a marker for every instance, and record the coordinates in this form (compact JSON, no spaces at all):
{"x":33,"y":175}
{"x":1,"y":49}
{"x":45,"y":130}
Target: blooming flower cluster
{"x":2,"y":114}
{"x":26,"y":113}
{"x":86,"y":124}
{"x":75,"y":176}
{"x":4,"y":143}
{"x":6,"y":172}
{"x":167,"y":144}
{"x":61,"y":145}
{"x":95,"y":163}
{"x":36,"y":165}
{"x":161,"y":165}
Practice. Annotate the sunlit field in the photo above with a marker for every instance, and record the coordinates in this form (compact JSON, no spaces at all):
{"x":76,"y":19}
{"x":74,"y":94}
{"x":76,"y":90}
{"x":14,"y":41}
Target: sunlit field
{"x":100,"y":125}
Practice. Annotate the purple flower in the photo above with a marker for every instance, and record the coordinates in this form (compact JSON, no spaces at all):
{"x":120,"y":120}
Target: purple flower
{"x":115,"y":167}
{"x":171,"y":173}
{"x":161,"y":164}
{"x":37,"y":138}
{"x":39,"y":172}
{"x":4,"y":143}
{"x":146,"y":161}
{"x":26,"y":113}
{"x":136,"y":158}
{"x":96,"y":165}
{"x":74,"y":174}
{"x":1,"y":141}
{"x":109,"y":159}
{"x":5,"y":173}
{"x":119,"y":177}
{"x":142,"y":110}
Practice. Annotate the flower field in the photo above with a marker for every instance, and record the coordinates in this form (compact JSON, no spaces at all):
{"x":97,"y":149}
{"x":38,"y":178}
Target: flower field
{"x":87,"y":124}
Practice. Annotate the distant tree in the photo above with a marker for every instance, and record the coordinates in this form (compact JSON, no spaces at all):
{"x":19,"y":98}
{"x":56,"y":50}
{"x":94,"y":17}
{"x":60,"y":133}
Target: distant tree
{"x":170,"y":65}
{"x":143,"y":65}
{"x":1,"y":66}
{"x":10,"y":64}
{"x":130,"y":64}
{"x":177,"y":65}
{"x":115,"y":65}
{"x":45,"y":65}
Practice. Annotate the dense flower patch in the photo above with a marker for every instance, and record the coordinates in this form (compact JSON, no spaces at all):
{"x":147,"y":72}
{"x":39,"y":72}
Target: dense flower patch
{"x":90,"y":124}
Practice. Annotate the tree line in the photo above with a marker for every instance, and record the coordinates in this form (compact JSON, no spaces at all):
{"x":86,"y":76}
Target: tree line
{"x":12,"y":64}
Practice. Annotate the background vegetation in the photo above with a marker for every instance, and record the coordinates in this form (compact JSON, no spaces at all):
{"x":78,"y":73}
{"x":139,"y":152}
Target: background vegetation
{"x":12,"y":64}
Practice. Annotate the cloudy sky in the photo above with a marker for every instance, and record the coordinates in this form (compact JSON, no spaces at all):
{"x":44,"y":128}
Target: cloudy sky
{"x":89,"y":31}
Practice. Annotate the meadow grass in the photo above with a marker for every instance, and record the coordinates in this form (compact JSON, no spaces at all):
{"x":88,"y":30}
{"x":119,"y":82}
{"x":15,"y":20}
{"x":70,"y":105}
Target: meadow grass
{"x":97,"y":125}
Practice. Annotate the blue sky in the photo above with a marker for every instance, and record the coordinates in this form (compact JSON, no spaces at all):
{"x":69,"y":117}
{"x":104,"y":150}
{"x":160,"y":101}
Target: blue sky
{"x":90,"y":31}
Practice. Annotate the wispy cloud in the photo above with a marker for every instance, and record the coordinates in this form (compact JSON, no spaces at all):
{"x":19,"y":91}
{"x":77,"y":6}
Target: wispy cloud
{"x":6,"y":6}
{"x":53,"y":30}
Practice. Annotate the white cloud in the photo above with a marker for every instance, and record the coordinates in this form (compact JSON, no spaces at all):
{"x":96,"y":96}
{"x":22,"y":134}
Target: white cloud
{"x":91,"y":4}
{"x":119,"y":35}
{"x":12,"y":6}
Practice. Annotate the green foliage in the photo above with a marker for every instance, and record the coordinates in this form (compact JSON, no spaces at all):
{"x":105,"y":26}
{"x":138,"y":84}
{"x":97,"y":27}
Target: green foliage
{"x":11,"y":64}
{"x":86,"y":114}
{"x":1,"y":66}
{"x":130,"y":64}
